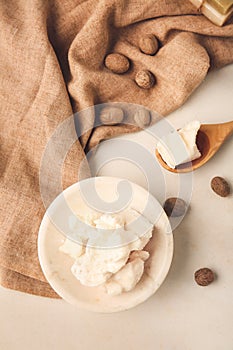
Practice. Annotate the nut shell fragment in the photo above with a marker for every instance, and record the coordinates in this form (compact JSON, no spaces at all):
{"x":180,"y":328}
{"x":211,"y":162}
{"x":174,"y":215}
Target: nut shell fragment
{"x":220,"y":186}
{"x":142,"y":117}
{"x":174,"y":207}
{"x":145,"y":79}
{"x":204,"y":276}
{"x":111,"y":115}
{"x":117,"y":63}
{"x":148,"y":44}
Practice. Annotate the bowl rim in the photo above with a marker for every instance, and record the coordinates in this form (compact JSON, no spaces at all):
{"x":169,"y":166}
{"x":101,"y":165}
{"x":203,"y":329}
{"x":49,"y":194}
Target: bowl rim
{"x":89,"y":306}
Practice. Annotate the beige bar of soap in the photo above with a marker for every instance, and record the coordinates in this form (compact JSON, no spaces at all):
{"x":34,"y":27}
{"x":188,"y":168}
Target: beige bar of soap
{"x":213,"y":13}
{"x":222,"y":6}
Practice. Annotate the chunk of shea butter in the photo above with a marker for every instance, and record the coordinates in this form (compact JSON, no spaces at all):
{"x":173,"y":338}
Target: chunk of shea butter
{"x":107,"y":252}
{"x":127,"y":278}
{"x":108,"y":222}
{"x":74,"y":250}
{"x":180,"y":147}
{"x":97,"y":265}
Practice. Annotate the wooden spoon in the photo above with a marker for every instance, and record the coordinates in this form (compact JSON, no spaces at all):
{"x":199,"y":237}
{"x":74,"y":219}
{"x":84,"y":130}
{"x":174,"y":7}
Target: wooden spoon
{"x":209,"y":139}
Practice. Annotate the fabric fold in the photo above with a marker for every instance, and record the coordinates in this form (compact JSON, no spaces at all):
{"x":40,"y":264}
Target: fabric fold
{"x":51,"y":66}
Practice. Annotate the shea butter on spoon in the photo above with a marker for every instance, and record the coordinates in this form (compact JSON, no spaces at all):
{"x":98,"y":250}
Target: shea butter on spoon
{"x":209,"y":139}
{"x":180,"y":146}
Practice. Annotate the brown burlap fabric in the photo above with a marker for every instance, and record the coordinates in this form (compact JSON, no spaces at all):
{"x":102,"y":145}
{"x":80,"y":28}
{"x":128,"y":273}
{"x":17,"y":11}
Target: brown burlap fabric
{"x":51,"y":64}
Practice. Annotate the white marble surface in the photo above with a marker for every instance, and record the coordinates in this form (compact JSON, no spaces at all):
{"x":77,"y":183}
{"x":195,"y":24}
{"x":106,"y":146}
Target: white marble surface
{"x":181,"y":315}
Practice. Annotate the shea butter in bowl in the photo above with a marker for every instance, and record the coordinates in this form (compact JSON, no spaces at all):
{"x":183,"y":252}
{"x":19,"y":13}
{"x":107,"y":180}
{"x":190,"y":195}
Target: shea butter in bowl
{"x":105,"y":244}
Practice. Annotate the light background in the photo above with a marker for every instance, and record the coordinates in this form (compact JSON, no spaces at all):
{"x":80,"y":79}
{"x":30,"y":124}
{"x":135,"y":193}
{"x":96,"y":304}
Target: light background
{"x":181,"y":315}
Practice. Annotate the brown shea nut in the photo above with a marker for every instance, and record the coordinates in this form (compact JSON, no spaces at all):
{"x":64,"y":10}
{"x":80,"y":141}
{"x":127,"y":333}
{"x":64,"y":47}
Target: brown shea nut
{"x":204,"y":276}
{"x":117,"y":63}
{"x":111,"y":115}
{"x":220,"y":186}
{"x":145,"y":79}
{"x":174,"y":207}
{"x":148,"y":44}
{"x":142,"y":117}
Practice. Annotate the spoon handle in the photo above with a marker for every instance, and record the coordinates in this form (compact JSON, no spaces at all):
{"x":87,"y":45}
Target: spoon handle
{"x":218,"y":132}
{"x":226,"y":129}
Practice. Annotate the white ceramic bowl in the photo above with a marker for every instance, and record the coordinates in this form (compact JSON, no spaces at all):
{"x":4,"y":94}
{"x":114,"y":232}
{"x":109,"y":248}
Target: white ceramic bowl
{"x":57,"y":265}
